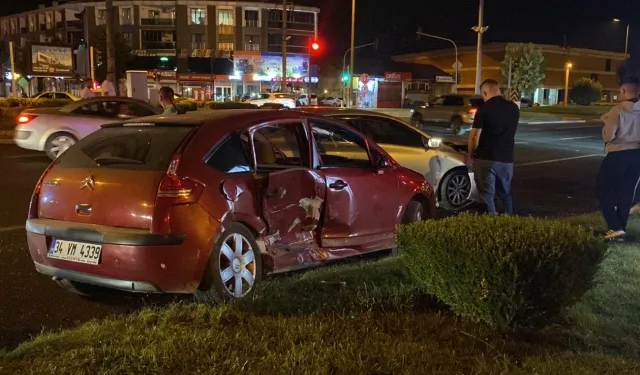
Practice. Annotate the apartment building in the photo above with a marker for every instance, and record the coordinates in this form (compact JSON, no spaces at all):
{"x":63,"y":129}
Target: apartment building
{"x":598,"y":65}
{"x":225,"y":48}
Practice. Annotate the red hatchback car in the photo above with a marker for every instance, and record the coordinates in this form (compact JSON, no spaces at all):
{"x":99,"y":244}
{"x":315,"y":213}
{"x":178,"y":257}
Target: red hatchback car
{"x":206,"y":203}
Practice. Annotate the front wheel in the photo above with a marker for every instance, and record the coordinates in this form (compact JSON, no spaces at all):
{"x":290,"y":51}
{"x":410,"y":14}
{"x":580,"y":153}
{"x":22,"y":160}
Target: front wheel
{"x":57,"y":144}
{"x":234,"y":269}
{"x":414,"y":213}
{"x":456,"y":126}
{"x":454,"y":190}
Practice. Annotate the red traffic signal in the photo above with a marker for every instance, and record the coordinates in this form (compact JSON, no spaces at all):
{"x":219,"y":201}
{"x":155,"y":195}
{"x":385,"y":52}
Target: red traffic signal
{"x":315,"y":46}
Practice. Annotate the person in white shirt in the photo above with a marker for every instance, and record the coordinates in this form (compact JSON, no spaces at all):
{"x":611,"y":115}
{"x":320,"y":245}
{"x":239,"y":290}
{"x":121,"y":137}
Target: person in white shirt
{"x":108,"y":88}
{"x":87,"y":91}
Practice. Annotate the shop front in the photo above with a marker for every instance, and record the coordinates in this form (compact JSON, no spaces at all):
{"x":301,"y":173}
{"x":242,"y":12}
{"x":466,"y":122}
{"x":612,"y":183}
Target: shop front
{"x":197,"y":86}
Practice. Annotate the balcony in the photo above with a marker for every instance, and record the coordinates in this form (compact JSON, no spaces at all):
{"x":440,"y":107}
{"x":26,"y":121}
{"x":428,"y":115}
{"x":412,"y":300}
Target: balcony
{"x":252,"y":23}
{"x":158,"y":45}
{"x":251,"y":47}
{"x":157,"y":22}
{"x":292,"y":25}
{"x":226,"y":29}
{"x":198,"y":45}
{"x":74,"y":25}
{"x":290,"y":48}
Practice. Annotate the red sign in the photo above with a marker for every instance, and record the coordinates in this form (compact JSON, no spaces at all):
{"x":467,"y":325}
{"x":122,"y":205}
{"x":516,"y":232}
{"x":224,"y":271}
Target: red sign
{"x":162,"y":74}
{"x":364,"y":78}
{"x":197,"y":77}
{"x":397,"y":76}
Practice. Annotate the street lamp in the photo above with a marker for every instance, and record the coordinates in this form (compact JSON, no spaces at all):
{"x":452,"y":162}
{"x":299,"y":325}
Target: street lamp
{"x":353,"y":37}
{"x":566,"y":82}
{"x":626,"y":39}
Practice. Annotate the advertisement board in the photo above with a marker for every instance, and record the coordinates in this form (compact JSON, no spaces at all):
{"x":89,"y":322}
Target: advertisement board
{"x":268,"y":66}
{"x":51,"y":60}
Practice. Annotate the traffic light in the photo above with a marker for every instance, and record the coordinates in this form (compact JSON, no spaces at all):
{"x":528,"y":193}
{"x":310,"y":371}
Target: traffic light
{"x":98,"y":57}
{"x":315,"y":46}
{"x":345,"y":78}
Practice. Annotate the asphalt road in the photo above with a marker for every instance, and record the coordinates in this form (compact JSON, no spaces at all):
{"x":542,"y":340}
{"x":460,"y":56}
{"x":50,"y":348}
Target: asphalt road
{"x":555,"y":174}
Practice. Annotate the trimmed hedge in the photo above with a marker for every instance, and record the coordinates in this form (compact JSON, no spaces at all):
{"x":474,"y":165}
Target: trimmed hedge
{"x":186,"y":104}
{"x":32,"y":103}
{"x":506,"y":271}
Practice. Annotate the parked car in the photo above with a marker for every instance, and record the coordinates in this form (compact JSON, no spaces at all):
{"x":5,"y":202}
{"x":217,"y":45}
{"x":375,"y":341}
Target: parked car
{"x":55,"y":95}
{"x":527,"y":103}
{"x":442,"y":162}
{"x":274,"y":97}
{"x":457,"y":111}
{"x":307,"y":99}
{"x":54,"y":130}
{"x":332,"y":101}
{"x":208,"y":202}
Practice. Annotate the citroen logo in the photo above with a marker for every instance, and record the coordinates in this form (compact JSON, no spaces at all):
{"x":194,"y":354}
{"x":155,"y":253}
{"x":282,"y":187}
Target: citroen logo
{"x":88,"y":182}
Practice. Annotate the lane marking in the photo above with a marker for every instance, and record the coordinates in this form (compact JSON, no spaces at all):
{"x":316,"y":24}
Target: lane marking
{"x":570,"y":138}
{"x":558,"y":160}
{"x":11,"y":228}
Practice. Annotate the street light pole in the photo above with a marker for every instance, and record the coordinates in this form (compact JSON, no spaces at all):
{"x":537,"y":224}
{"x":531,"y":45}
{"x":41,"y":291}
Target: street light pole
{"x":353,"y":37}
{"x":566,"y":83}
{"x":455,"y":47}
{"x":479,"y":29}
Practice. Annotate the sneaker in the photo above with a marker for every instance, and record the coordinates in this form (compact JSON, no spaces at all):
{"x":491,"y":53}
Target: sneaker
{"x":615,"y":235}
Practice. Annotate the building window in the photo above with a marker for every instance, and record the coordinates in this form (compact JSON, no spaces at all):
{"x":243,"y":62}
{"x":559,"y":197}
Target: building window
{"x":14,"y":27}
{"x":127,"y":16}
{"x":252,"y":18}
{"x":32,"y":23}
{"x":225,"y":46}
{"x":101,"y":16}
{"x":154,"y":14}
{"x":197,"y":41}
{"x":5,"y":28}
{"x":252,"y":43}
{"x":225,"y":17}
{"x":607,"y":65}
{"x":128,"y":38}
{"x":49,"y":21}
{"x":594,"y":76}
{"x":157,"y":39}
{"x":198,"y":16}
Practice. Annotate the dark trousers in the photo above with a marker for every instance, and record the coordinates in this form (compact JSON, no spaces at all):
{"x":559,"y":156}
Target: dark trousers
{"x":619,"y":173}
{"x":494,"y":178}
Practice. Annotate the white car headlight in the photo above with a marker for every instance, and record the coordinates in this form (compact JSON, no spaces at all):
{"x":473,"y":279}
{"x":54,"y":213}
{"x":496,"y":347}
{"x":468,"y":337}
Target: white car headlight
{"x":434,"y":142}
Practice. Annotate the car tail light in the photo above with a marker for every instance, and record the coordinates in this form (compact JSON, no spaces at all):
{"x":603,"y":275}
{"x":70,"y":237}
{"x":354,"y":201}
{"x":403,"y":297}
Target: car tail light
{"x":173,"y":190}
{"x":472,"y":111}
{"x":33,"y":205}
{"x":24,"y":119}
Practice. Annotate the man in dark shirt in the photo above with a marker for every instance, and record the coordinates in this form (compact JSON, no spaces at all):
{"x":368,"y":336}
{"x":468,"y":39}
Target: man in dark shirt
{"x":491,"y":144}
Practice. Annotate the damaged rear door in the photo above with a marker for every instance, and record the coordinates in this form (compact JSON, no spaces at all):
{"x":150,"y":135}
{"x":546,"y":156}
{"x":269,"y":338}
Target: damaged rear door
{"x":293,"y":193}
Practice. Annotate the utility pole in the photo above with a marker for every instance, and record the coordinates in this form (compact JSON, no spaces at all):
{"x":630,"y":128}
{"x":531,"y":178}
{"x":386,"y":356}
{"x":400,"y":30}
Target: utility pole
{"x":111,"y":50}
{"x":479,"y":29}
{"x":283,"y":84}
{"x":456,"y":65}
{"x":93,"y":64}
{"x":353,"y":37}
{"x":12,"y":57}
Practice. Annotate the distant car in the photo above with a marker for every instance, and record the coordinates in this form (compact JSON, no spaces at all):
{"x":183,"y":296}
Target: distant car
{"x":308,"y":99}
{"x":54,"y":130}
{"x":332,"y":101}
{"x":442,"y":162}
{"x":457,"y":111}
{"x":56,"y":95}
{"x":274,"y":97}
{"x":207,"y":203}
{"x":527,"y":103}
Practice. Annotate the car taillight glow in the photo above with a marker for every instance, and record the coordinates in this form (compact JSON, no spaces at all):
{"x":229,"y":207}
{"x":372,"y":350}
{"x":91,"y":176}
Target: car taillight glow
{"x":472,"y":111}
{"x":181,"y":189}
{"x":33,"y":205}
{"x":23,"y":119}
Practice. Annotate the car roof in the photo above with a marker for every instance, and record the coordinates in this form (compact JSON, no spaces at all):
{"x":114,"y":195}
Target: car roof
{"x":333,"y":111}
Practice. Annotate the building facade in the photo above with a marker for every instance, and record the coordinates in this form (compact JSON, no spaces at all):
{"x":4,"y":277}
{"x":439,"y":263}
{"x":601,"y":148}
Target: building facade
{"x":229,"y":48}
{"x":598,"y":65}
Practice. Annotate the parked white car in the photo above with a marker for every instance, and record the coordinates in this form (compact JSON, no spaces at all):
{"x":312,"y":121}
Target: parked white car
{"x":308,"y":99}
{"x":442,"y":162}
{"x":54,"y":130}
{"x":332,"y":101}
{"x":275,"y":97}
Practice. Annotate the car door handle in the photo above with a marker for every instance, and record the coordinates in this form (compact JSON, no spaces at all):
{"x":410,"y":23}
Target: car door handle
{"x":338,"y":185}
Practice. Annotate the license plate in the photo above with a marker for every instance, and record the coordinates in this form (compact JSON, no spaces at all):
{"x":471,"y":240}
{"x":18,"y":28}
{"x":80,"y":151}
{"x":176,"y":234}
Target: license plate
{"x":75,"y":251}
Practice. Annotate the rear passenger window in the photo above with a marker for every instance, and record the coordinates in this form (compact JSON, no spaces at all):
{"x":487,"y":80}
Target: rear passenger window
{"x":281,"y":146}
{"x":232,"y":155}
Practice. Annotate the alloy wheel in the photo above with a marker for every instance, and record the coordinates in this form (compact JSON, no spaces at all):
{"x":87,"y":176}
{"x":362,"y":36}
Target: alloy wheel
{"x":458,"y":190}
{"x":237,"y":265}
{"x":61,"y":144}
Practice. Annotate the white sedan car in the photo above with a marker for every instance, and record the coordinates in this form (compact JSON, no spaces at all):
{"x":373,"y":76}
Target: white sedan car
{"x":332,"y":101}
{"x":441,"y":162}
{"x":54,"y":130}
{"x":275,"y":97}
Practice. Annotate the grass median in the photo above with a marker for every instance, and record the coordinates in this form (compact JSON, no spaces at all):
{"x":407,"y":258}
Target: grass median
{"x":364,"y":317}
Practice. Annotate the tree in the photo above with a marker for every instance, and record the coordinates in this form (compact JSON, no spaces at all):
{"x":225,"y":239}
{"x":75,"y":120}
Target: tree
{"x":98,"y":40}
{"x":585,"y":91}
{"x":527,"y":67}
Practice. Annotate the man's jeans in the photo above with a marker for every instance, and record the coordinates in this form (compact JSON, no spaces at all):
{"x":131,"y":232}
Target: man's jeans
{"x":617,"y":180}
{"x":494,"y":178}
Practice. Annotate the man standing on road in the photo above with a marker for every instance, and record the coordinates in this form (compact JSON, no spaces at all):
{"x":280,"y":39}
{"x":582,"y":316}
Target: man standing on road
{"x":108,"y":87}
{"x":620,"y":169}
{"x":87,"y":91}
{"x":491,"y":145}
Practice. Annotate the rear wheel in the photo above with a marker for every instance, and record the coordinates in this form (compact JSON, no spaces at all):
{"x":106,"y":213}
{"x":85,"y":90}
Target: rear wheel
{"x":58,"y":143}
{"x":456,"y":126}
{"x":454,"y":190}
{"x":234,"y":269}
{"x":414,"y":213}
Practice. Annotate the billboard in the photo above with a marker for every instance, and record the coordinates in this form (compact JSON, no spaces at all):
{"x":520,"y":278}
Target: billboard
{"x":269,"y":65}
{"x":51,"y":60}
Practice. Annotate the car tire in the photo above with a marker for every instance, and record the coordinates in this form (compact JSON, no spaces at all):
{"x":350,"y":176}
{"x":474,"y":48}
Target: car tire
{"x":456,"y":126}
{"x":414,"y":213}
{"x":57,"y":140}
{"x":84,"y":290}
{"x":220,"y":280}
{"x":454,"y":190}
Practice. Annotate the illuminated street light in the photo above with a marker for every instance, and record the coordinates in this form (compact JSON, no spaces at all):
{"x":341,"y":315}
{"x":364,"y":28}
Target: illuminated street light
{"x":566,"y":82}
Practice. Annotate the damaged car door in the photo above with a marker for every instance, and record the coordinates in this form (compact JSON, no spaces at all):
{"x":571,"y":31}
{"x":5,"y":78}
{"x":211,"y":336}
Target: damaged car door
{"x":293,"y":192}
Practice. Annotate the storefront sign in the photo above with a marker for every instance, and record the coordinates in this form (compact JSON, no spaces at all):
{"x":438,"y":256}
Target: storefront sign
{"x":163,"y":74}
{"x":201,"y":53}
{"x":192,"y":77}
{"x":446,"y":79}
{"x":154,"y":53}
{"x":397,"y":76}
{"x":51,"y":60}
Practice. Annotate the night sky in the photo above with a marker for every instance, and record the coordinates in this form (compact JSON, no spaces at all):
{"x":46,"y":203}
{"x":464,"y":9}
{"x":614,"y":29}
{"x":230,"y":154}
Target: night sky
{"x":586,"y":23}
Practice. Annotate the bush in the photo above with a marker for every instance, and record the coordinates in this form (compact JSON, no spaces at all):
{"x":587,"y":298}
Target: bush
{"x":507,"y":271}
{"x":187,"y":104}
{"x":585,"y":91}
{"x":31,"y":103}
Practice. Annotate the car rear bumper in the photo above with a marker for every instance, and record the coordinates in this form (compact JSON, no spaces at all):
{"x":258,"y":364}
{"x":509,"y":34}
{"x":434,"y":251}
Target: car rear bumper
{"x":131,"y":259}
{"x":30,"y":143}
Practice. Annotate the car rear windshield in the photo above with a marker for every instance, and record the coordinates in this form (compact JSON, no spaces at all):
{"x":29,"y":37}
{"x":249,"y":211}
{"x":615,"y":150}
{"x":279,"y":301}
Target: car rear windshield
{"x":133,"y":148}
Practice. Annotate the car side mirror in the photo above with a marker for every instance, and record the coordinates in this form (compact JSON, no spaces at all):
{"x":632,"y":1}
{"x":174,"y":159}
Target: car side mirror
{"x":432,"y":142}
